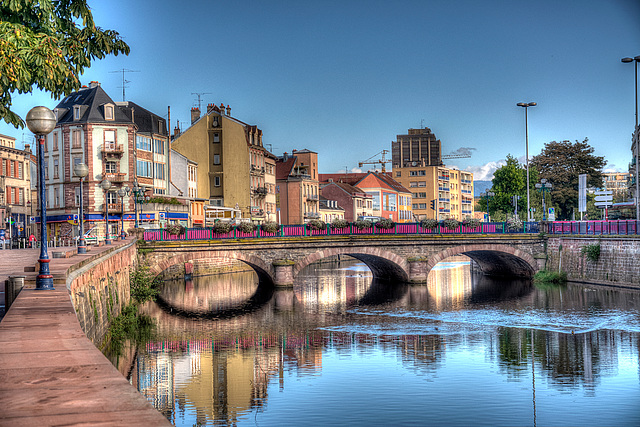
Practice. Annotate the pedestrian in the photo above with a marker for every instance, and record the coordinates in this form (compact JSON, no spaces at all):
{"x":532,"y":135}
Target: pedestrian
{"x":32,"y":239}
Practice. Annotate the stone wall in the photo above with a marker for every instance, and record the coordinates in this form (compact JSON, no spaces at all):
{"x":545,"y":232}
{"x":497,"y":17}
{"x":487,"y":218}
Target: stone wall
{"x":205,"y":267}
{"x":619,"y":261}
{"x":100,"y":289}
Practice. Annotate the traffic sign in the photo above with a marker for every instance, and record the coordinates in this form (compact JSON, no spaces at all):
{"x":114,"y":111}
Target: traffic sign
{"x":604,"y":198}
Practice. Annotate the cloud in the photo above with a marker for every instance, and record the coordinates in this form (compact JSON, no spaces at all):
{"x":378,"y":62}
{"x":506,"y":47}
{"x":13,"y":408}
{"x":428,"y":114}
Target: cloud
{"x":485,"y":172}
{"x":464,"y":151}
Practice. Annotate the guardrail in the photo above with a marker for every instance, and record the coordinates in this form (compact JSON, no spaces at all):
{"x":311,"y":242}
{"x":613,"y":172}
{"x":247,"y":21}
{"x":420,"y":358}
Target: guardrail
{"x":616,"y":228}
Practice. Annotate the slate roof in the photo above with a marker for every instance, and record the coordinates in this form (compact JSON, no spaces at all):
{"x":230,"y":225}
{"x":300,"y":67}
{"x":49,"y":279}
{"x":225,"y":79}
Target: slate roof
{"x":91,"y":102}
{"x":146,"y":121}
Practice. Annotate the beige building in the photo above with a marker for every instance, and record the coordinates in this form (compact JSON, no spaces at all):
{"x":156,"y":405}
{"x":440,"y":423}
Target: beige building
{"x":618,"y":183}
{"x":15,"y":196}
{"x":232,"y":162}
{"x":297,"y":190}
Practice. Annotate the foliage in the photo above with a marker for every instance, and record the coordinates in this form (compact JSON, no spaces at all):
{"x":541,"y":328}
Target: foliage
{"x":509,"y":180}
{"x":561,"y":163}
{"x":246,"y":227}
{"x":514,"y":223}
{"x":549,"y":277}
{"x":429,"y":224}
{"x":362,"y":224}
{"x":175,"y":229}
{"x":472,"y":222}
{"x":592,"y":251}
{"x":221,"y":227}
{"x":47,"y":45}
{"x":143,"y":286}
{"x":270,"y":227}
{"x":129,"y":324}
{"x":164,"y":200}
{"x":316,"y":224}
{"x":339,"y":223}
{"x":451,"y":223}
{"x":385,"y":224}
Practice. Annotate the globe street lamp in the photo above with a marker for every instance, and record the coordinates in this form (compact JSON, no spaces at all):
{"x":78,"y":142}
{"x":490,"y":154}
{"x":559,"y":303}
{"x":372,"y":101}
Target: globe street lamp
{"x":136,"y":199}
{"x":526,"y":106}
{"x":637,"y":149}
{"x":544,"y":185}
{"x":106,"y":185}
{"x":81,"y":170}
{"x":488,"y":194}
{"x":122,"y":192}
{"x":41,"y":121}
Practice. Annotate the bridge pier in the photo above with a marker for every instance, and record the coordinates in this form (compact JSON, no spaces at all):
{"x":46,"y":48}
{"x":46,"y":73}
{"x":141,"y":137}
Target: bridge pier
{"x":283,"y":273}
{"x":418,"y":270}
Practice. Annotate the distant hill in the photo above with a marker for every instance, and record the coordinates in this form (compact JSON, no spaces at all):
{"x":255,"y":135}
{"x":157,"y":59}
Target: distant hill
{"x":480,"y":187}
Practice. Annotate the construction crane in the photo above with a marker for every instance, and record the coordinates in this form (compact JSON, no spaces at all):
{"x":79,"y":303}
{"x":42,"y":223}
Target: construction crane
{"x":457,"y":156}
{"x":382,"y":161}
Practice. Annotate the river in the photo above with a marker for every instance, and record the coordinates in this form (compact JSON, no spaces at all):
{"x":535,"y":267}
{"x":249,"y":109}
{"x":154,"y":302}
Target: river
{"x":342,"y":349}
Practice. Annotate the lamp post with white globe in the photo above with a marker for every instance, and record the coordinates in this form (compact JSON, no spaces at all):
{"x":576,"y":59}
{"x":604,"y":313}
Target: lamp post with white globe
{"x":106,"y":185}
{"x":41,"y":121}
{"x":81,"y":170}
{"x":122,"y":192}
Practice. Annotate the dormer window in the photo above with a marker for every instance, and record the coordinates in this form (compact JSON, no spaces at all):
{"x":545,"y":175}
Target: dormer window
{"x":76,"y":112}
{"x":108,"y":112}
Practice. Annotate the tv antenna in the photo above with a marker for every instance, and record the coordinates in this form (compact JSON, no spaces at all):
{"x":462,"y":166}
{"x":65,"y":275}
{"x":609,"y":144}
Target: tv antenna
{"x":199,"y":94}
{"x":124,"y":81}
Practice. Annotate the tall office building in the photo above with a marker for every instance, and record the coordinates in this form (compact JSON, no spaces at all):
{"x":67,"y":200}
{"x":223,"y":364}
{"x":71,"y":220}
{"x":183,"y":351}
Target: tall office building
{"x":419,"y":147}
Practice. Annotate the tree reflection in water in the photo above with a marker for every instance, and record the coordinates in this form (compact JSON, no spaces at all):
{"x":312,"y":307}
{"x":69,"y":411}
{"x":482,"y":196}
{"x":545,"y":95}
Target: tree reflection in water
{"x":226,"y":346}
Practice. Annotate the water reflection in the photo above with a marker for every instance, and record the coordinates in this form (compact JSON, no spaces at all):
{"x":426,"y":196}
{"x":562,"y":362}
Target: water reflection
{"x":341,"y":349}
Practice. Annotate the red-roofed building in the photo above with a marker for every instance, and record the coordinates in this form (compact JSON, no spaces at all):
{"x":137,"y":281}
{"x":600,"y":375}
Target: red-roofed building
{"x":353,"y":200}
{"x":297,"y":192}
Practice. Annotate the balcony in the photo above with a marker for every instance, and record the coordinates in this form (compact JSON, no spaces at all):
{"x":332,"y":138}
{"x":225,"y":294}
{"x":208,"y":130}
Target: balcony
{"x":443,"y":177}
{"x":260,"y":191}
{"x":466,"y":191}
{"x":113,"y":207}
{"x":256,"y":170}
{"x":312,"y":215}
{"x":444,"y":188}
{"x":312,"y":197}
{"x":115,"y":177}
{"x":444,"y":199}
{"x":112,"y":150}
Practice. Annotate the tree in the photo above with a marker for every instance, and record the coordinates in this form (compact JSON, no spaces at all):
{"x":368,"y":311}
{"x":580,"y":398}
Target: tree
{"x":561,"y":163}
{"x":509,"y":180}
{"x":47,"y":45}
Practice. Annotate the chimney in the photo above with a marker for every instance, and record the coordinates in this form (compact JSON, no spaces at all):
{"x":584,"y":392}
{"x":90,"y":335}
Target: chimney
{"x":228,"y":110}
{"x":195,"y":114}
{"x":27,"y":147}
{"x":222,"y":107}
{"x":176,"y":131}
{"x":285,"y":157}
{"x":94,"y":84}
{"x":210,"y":108}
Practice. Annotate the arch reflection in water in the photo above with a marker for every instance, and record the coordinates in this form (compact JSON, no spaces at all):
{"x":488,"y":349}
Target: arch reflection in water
{"x":374,"y":364}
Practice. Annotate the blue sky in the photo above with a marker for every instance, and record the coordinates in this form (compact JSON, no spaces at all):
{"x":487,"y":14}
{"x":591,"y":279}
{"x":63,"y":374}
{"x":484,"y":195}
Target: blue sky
{"x":343,"y":78}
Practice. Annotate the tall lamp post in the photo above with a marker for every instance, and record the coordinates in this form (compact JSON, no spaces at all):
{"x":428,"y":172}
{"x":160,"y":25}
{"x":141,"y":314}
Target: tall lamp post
{"x":544,"y":185}
{"x":41,"y":121}
{"x":637,"y":149}
{"x":526,"y":106}
{"x":488,"y":194}
{"x":81,"y":170}
{"x":122,"y":192}
{"x":106,"y":185}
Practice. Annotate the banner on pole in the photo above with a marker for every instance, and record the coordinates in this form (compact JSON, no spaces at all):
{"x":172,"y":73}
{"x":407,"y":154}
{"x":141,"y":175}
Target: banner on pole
{"x":582,"y":192}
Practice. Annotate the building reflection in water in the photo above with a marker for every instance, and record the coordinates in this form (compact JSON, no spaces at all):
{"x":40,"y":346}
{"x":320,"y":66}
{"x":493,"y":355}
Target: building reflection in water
{"x":218,"y":371}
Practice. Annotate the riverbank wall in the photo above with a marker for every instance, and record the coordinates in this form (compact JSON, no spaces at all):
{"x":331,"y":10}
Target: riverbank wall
{"x":618,"y":263}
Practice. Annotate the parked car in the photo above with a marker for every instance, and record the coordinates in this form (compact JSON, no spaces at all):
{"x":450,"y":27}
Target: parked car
{"x":90,"y":237}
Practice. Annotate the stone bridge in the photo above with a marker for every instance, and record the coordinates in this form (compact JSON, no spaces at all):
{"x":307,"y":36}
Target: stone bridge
{"x":395,"y":258}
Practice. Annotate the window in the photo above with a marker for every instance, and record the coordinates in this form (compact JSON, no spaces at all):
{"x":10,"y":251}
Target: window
{"x":216,"y":159}
{"x":422,"y":184}
{"x":20,"y":170}
{"x":46,"y":172}
{"x":4,"y":167}
{"x":55,"y":141}
{"x":75,"y":139}
{"x":216,"y":137}
{"x":76,"y":161}
{"x":413,"y":184}
{"x":158,"y":146}
{"x":110,"y":139}
{"x":108,"y":112}
{"x":423,"y":206}
{"x":77,"y":194}
{"x":56,"y":197}
{"x":11,"y":171}
{"x":21,"y":196}
{"x":111,"y":167}
{"x":76,"y":112}
{"x":216,"y":181}
{"x":56,"y":168}
{"x":160,"y":171}
{"x":143,"y":143}
{"x":112,"y":197}
{"x":144,"y":168}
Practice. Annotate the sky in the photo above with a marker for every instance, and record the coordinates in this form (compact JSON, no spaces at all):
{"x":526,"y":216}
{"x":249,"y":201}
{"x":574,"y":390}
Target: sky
{"x":343,"y":78}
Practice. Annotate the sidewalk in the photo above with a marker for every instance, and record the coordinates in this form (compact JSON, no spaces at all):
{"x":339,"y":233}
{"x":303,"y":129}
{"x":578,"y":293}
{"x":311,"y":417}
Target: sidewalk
{"x":50,"y":372}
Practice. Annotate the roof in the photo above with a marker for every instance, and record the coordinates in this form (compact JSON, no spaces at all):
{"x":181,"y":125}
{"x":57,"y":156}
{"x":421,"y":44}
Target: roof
{"x":348,"y":178}
{"x":146,"y":121}
{"x":284,"y":168}
{"x":355,"y":179}
{"x":91,"y":102}
{"x":349,"y":189}
{"x":395,"y":185}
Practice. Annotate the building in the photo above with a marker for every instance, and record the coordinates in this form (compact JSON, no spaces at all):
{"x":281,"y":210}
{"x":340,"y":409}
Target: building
{"x":419,"y":147}
{"x":353,"y":200}
{"x":16,"y":206}
{"x":388,"y":197}
{"x":232,"y":162}
{"x":118,"y":141}
{"x":617,"y":183}
{"x":297,"y":190}
{"x":329,"y":210}
{"x":184,"y":184}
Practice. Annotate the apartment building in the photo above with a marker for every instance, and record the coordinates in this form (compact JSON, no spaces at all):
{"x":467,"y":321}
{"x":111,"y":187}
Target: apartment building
{"x":297,"y":190}
{"x":16,"y":205}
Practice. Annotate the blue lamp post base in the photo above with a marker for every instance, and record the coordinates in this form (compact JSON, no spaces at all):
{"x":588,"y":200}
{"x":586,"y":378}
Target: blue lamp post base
{"x":44,"y":280}
{"x":82,"y":246}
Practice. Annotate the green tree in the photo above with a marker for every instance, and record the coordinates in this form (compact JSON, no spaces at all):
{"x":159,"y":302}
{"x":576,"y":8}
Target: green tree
{"x":561,"y":163}
{"x":47,"y":45}
{"x":509,"y":180}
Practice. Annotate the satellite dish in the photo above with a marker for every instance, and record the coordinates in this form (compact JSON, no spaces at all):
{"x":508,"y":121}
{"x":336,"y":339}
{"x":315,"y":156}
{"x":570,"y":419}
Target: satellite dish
{"x":413,"y":163}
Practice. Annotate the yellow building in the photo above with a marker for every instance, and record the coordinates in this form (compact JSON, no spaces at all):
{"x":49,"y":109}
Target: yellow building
{"x":231,"y":162}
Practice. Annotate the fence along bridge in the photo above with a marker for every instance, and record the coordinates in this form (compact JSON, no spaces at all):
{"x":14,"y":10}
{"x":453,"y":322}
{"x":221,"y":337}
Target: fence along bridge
{"x":403,"y":258}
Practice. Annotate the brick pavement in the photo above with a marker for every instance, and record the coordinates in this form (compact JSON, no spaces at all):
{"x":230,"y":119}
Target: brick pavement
{"x":50,"y":372}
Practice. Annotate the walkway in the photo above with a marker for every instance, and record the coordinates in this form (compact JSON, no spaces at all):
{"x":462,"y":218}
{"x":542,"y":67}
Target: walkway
{"x":50,"y":372}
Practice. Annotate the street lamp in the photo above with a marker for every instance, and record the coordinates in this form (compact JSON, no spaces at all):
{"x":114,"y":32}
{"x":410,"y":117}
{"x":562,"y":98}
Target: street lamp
{"x":122,"y":192}
{"x":526,"y":106}
{"x":488,"y":194}
{"x":81,"y":170}
{"x":106,"y":185}
{"x":41,"y":121}
{"x":544,"y":185}
{"x":637,"y":149}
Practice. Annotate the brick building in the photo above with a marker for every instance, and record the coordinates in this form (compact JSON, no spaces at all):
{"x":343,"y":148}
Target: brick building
{"x":15,"y":188}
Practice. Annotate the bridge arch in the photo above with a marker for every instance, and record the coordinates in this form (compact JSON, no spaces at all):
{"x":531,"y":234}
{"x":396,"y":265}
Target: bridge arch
{"x":494,"y":260}
{"x":383,"y":264}
{"x":264,"y":271}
